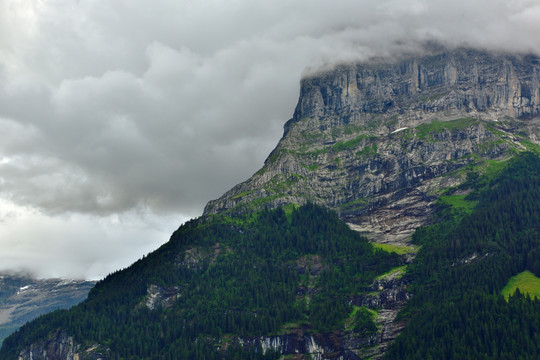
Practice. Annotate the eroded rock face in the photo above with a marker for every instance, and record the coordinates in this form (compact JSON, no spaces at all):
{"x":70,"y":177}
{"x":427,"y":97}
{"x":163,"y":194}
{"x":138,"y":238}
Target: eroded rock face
{"x":334,"y":346}
{"x":377,"y":141}
{"x":467,"y":80}
{"x":160,"y":297}
{"x":61,"y":346}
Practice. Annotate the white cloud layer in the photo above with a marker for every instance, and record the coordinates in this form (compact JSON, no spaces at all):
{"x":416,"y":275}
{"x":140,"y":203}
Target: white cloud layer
{"x":111,"y":109}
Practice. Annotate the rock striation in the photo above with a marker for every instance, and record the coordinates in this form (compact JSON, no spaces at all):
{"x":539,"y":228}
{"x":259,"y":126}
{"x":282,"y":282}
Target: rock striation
{"x":377,"y":141}
{"x":60,"y":346}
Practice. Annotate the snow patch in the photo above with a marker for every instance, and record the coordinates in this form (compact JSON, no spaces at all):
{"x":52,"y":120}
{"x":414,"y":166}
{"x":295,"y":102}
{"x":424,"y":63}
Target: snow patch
{"x":398,"y":130}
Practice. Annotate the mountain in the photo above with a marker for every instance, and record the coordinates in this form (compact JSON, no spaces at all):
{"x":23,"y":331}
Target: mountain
{"x":23,"y":298}
{"x":401,"y":200}
{"x":377,"y":141}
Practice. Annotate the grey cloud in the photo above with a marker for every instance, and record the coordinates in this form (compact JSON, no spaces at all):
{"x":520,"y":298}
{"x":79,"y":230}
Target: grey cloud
{"x":77,"y":246}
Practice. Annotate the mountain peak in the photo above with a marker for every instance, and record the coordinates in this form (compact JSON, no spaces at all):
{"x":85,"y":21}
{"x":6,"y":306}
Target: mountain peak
{"x":376,"y":141}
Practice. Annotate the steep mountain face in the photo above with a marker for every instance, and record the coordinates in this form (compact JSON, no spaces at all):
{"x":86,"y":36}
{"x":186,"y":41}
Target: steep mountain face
{"x":378,"y":141}
{"x":23,"y":298}
{"x":390,"y":145}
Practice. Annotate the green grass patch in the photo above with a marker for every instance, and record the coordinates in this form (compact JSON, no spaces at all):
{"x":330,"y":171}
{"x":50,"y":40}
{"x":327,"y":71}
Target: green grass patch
{"x":346,"y":145}
{"x":397,"y":272}
{"x":242,"y":194}
{"x":340,"y":146}
{"x":535,"y":148}
{"x":288,"y":209}
{"x":494,"y":168}
{"x":398,"y":249}
{"x":351,"y":144}
{"x":259,"y":203}
{"x":361,"y":320}
{"x":526,"y":282}
{"x":314,"y":153}
{"x":423,"y":131}
{"x":310,"y":167}
{"x":368,"y":151}
{"x":491,"y":127}
{"x":353,"y":203}
{"x":458,"y":202}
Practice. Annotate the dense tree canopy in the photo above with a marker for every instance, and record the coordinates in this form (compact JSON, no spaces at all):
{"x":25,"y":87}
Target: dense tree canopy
{"x":231,"y":277}
{"x":457,"y":311}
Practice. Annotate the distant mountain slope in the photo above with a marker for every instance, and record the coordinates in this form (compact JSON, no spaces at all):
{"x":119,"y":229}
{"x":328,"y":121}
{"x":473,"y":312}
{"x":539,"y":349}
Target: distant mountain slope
{"x":23,"y":298}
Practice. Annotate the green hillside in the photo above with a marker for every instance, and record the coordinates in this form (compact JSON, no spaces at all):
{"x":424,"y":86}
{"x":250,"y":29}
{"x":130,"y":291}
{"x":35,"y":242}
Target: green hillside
{"x":464,"y":263}
{"x":221,"y":280}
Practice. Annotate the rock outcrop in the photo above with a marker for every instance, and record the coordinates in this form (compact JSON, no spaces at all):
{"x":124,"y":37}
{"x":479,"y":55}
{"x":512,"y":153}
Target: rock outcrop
{"x":377,"y":141}
{"x":335,"y":346}
{"x":61,"y":346}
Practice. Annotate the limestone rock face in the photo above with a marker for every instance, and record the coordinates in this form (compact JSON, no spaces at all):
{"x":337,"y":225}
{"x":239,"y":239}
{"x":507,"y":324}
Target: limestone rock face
{"x":467,"y":80}
{"x":378,"y":141}
{"x":61,"y":346}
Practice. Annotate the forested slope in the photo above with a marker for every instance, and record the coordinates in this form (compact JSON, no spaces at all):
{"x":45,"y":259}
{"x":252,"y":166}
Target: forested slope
{"x":458,"y":311}
{"x":217,"y":284}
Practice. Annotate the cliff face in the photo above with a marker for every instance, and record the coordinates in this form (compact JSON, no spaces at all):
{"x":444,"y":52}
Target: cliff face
{"x":60,"y":346}
{"x":378,"y":141}
{"x":489,"y":85}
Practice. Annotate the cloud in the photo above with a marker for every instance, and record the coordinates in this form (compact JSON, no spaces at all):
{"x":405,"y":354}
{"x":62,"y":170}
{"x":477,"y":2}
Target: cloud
{"x":110,"y":109}
{"x":77,"y":246}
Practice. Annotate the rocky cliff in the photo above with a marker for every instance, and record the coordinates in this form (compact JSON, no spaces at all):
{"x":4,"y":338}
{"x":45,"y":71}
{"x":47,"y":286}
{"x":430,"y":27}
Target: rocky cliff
{"x":378,"y":141}
{"x":59,"y":346}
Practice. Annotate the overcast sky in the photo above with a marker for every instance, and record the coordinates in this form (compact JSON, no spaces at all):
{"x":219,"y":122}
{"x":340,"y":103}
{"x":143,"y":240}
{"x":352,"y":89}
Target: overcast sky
{"x":120,"y":119}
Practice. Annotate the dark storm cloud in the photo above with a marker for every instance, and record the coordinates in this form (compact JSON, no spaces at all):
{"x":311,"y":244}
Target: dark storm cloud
{"x":113,"y":108}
